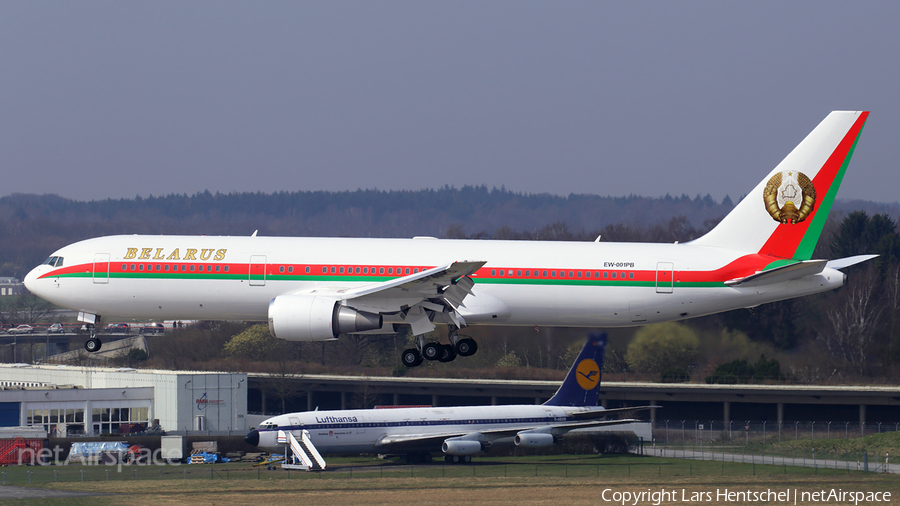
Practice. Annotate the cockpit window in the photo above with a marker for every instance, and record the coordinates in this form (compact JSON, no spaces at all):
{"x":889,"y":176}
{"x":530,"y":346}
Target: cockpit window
{"x":268,"y":425}
{"x":54,"y":262}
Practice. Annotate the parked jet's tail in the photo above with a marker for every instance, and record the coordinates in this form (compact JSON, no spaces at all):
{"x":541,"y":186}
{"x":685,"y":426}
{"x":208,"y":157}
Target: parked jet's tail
{"x":582,"y":384}
{"x":784,"y":215}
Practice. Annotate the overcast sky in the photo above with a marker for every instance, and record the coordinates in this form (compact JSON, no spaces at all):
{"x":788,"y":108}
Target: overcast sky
{"x":117,"y":99}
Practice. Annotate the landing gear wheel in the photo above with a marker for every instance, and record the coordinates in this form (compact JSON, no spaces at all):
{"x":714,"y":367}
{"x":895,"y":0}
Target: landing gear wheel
{"x":432,"y":351}
{"x":411,"y":357}
{"x":455,"y":459}
{"x":467,"y":459}
{"x":92,"y":345}
{"x":448,"y":353}
{"x":466,"y":347}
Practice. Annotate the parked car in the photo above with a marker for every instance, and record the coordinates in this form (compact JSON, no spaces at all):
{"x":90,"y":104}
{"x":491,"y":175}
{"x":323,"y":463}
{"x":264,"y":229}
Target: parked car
{"x":4,"y":328}
{"x":153,"y":328}
{"x":22,"y":329}
{"x":56,"y":328}
{"x":118,"y":328}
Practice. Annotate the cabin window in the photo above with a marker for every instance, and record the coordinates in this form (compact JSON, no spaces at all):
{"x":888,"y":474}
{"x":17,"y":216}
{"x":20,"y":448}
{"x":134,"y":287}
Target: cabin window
{"x":579,"y":274}
{"x":140,"y":267}
{"x":124,"y":267}
{"x":605,"y":275}
{"x":226,"y":268}
{"x":527,"y":274}
{"x":357,"y":270}
{"x":390,"y":270}
{"x":518,"y":273}
{"x":332,"y":270}
{"x":342,"y":270}
{"x":218,"y":268}
{"x":158,"y":267}
{"x":290,"y":269}
{"x":133,"y":267}
{"x":415,"y":271}
{"x":307,"y":270}
{"x":365,"y":270}
{"x":208,"y":268}
{"x":281,"y":269}
{"x":552,"y":274}
{"x":623,"y":275}
{"x":545,"y":274}
{"x":407,"y":270}
{"x":630,"y":275}
{"x":193,"y":268}
{"x":571,"y":274}
{"x":614,"y":275}
{"x":493,"y":272}
{"x":381,"y":270}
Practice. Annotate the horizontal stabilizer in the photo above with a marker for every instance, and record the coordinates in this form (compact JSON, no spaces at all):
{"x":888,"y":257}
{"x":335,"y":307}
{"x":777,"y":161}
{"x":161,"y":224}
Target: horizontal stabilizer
{"x":840,"y":263}
{"x":781,"y":274}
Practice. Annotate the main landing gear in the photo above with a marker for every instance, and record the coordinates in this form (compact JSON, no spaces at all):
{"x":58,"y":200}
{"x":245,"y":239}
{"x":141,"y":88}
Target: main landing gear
{"x":436,"y":351}
{"x":93,"y":344}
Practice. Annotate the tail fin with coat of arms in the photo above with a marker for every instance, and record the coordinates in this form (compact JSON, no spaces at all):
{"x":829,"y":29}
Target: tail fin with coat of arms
{"x":582,"y":384}
{"x":784,"y":215}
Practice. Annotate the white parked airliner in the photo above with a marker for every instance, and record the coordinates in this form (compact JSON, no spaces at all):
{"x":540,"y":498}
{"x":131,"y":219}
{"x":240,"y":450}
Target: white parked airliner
{"x":458,"y":432}
{"x":314,"y":289}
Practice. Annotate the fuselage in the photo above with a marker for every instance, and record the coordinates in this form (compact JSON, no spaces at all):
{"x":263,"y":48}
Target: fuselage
{"x":586,"y":284}
{"x":364,"y":430}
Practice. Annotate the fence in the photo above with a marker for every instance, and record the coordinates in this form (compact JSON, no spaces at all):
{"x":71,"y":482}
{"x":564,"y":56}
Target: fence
{"x":690,"y":431}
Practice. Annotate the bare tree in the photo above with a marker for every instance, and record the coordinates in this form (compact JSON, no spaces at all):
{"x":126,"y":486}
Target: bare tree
{"x":854,"y":322}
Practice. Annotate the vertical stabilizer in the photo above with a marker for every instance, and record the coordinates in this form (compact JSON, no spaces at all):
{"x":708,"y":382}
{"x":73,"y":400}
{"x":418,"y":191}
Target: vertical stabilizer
{"x":784,"y":215}
{"x":582,"y":384}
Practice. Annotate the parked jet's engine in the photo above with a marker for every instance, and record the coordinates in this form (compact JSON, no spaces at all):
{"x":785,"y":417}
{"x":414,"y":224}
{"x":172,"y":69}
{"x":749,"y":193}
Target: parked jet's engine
{"x":315,"y":318}
{"x":533,"y":440}
{"x":461,"y":448}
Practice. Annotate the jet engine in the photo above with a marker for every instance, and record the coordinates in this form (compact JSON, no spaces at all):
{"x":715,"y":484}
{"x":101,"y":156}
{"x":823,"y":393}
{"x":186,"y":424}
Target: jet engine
{"x":533,"y":440}
{"x":461,"y":448}
{"x":315,"y":318}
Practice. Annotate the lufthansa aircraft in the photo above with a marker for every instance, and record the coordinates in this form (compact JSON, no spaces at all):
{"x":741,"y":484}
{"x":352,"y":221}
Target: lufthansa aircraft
{"x":458,"y":432}
{"x":314,"y":289}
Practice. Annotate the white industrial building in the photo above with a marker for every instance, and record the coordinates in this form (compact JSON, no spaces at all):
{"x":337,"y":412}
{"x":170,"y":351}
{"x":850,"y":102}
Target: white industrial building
{"x":94,"y":400}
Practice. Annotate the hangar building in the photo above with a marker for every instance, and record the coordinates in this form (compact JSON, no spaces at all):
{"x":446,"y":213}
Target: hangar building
{"x":96,"y":400}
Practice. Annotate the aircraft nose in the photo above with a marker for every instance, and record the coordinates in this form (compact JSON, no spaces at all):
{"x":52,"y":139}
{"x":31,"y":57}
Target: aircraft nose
{"x":252,"y":438}
{"x":30,"y":279}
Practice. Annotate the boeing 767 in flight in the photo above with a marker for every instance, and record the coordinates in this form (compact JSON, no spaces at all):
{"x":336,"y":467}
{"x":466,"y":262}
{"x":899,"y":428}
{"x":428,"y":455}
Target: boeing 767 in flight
{"x":315,"y":289}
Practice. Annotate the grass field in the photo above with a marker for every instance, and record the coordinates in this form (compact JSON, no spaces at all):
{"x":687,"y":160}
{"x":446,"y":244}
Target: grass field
{"x":571,"y":479}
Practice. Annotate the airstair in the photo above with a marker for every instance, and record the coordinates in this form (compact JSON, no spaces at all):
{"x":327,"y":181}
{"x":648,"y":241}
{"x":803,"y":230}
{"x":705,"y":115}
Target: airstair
{"x":303,"y":454}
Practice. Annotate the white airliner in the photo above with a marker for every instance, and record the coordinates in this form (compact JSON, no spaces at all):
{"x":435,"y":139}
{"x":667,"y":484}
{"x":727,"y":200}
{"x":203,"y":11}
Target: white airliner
{"x":314,"y":289}
{"x":458,"y":432}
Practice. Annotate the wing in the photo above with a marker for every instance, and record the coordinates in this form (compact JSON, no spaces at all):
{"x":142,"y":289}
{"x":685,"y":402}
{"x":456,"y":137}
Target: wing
{"x":432,"y":442}
{"x":418,"y":298}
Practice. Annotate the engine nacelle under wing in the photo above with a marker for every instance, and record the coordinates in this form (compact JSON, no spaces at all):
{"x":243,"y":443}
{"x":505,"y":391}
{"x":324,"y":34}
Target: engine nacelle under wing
{"x":534,"y":440}
{"x":315,"y":318}
{"x":461,"y":448}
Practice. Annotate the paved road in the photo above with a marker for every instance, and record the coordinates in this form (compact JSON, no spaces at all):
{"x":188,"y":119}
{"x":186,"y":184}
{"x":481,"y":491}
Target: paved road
{"x":727,"y":456}
{"x":10,"y":492}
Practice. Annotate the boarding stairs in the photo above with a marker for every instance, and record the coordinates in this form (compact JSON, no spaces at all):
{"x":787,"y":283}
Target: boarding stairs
{"x":303,"y":454}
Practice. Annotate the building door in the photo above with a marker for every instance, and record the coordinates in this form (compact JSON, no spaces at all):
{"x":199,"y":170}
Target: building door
{"x":101,"y":268}
{"x":258,"y":270}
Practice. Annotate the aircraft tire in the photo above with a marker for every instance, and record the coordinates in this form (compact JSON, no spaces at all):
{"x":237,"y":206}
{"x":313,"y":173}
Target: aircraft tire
{"x":455,"y":459}
{"x":466,"y":347}
{"x":92,"y":345}
{"x":467,"y":459}
{"x":432,"y":351}
{"x":411,"y":357}
{"x":448,"y":354}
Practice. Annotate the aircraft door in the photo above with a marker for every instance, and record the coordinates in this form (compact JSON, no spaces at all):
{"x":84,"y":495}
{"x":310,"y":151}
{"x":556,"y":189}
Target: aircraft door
{"x":665,"y":277}
{"x":257,"y":270}
{"x":101,"y":268}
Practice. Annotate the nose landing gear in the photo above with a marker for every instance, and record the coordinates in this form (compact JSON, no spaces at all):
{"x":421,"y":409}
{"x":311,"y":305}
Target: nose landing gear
{"x":93,"y":344}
